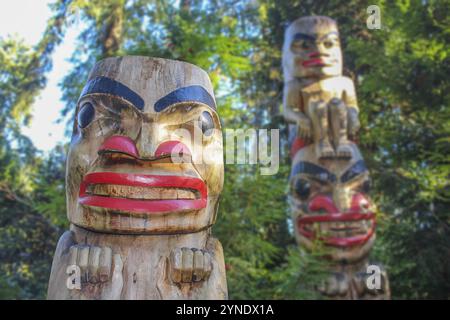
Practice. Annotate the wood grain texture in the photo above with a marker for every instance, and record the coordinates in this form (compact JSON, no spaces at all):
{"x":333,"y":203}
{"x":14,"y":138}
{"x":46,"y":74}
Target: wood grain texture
{"x":317,"y":97}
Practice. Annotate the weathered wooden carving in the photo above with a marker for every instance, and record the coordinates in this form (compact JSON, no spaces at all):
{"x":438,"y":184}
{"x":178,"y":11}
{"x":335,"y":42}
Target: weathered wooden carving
{"x":317,"y":97}
{"x":329,"y":179}
{"x":144,"y":174}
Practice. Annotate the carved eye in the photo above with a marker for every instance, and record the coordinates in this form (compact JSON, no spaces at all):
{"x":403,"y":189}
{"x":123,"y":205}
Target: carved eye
{"x":366,"y":186}
{"x":305,"y":45}
{"x":300,"y":45}
{"x":302,"y":188}
{"x":328,"y":44}
{"x":86,"y":114}
{"x":207,"y":123}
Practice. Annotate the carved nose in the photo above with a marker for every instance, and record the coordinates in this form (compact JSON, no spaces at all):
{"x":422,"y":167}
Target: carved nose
{"x":119,"y":144}
{"x":149,"y":135}
{"x":342,"y":199}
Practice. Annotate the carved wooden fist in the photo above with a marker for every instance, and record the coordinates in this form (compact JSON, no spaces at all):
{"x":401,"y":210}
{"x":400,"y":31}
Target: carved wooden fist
{"x":190,"y":265}
{"x":360,"y":281}
{"x":94,"y":262}
{"x":99,"y":268}
{"x":336,"y":284}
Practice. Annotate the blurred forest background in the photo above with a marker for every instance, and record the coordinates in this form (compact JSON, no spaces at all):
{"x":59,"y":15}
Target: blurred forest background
{"x":402,"y":78}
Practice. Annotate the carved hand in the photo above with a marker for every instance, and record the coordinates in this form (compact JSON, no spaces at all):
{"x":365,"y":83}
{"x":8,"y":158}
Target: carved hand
{"x":353,"y":121}
{"x":304,"y":127}
{"x":190,"y":265}
{"x":336,"y":284}
{"x":360,"y":281}
{"x":97,"y":267}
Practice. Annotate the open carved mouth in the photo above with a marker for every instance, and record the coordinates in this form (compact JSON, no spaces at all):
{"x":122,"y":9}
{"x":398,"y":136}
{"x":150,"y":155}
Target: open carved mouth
{"x":314,"y":63}
{"x":140,"y":193}
{"x":318,"y":63}
{"x":335,"y":228}
{"x":339,"y":230}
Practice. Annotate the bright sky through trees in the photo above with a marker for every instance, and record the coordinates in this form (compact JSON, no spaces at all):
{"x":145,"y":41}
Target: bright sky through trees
{"x":27,"y":19}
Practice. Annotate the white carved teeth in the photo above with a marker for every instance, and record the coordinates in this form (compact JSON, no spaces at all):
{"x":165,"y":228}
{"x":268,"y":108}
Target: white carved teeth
{"x":144,"y":193}
{"x":338,"y":225}
{"x":340,"y":229}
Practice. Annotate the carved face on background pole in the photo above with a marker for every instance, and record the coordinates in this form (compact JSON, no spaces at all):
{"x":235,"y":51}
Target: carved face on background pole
{"x":312,"y":49}
{"x":329,"y":202}
{"x":146,"y":152}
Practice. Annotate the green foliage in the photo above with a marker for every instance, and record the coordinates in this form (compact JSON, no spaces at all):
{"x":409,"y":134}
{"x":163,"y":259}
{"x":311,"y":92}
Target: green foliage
{"x":50,"y":194}
{"x":300,"y":275}
{"x":26,"y":248}
{"x":27,"y":237}
{"x":200,"y":32}
{"x":252,"y":228}
{"x":404,"y":97}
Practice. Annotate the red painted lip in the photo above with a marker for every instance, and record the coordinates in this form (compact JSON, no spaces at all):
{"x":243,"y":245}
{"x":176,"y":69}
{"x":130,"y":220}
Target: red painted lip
{"x":326,"y":203}
{"x":141,"y":180}
{"x":318,"y":62}
{"x":338,"y":217}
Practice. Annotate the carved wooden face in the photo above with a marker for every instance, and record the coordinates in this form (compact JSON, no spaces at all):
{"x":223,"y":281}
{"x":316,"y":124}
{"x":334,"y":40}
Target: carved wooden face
{"x":312,"y":49}
{"x":146,"y":152}
{"x":329,"y":202}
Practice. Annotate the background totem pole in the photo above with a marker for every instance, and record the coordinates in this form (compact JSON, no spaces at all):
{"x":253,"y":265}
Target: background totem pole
{"x":144,"y":174}
{"x":329,"y":179}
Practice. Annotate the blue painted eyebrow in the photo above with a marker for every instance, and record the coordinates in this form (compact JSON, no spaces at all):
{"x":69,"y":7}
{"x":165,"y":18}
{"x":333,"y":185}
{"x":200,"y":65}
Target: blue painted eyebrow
{"x":313,"y":170}
{"x":186,"y":94}
{"x":115,"y":88}
{"x":302,"y":36}
{"x":355,"y":170}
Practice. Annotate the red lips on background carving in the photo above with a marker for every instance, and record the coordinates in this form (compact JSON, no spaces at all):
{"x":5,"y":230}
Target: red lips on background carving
{"x":313,"y":62}
{"x":325,"y":203}
{"x":119,"y":144}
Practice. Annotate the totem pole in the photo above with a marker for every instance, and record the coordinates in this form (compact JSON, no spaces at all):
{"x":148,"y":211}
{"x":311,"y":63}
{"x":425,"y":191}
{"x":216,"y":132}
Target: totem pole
{"x":144,"y":174}
{"x":329,"y":180}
